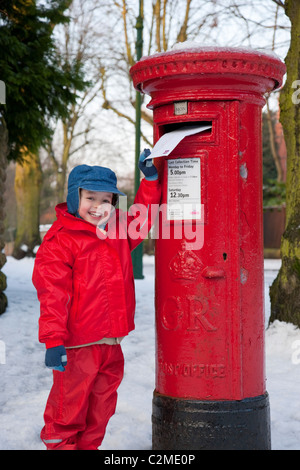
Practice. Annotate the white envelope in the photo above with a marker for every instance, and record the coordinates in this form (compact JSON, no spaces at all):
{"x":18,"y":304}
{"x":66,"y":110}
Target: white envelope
{"x":170,"y":140}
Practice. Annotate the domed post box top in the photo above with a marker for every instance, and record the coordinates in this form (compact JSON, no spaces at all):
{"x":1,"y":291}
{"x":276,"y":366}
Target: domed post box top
{"x":207,"y":73}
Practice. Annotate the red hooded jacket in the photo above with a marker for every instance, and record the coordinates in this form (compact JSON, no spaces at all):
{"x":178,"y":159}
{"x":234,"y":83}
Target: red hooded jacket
{"x":84,"y":279}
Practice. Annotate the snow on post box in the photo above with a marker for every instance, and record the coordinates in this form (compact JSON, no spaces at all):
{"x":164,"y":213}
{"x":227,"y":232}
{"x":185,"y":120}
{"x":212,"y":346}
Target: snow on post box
{"x":210,"y":385}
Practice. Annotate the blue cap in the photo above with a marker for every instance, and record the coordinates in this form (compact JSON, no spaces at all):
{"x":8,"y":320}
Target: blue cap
{"x":92,"y":178}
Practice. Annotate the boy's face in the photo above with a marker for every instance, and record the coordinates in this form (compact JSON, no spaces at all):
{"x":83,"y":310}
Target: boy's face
{"x":95,"y":206}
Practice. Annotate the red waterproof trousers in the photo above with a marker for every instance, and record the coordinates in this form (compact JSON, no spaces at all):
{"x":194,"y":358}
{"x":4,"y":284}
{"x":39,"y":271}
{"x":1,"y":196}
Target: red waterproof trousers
{"x":83,"y":398}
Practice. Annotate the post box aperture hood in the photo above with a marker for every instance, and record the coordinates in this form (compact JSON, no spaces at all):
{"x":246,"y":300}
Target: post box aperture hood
{"x":92,"y":178}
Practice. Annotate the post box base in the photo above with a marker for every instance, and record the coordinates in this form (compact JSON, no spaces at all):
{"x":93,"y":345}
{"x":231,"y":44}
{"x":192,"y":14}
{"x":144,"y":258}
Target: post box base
{"x":179,"y":424}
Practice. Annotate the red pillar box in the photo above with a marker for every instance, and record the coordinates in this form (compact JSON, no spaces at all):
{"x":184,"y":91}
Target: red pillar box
{"x":210,"y":374}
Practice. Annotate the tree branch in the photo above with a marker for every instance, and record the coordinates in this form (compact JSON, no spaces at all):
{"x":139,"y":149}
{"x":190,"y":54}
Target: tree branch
{"x":182,"y":35}
{"x":50,"y":152}
{"x":127,"y":45}
{"x":279,"y":3}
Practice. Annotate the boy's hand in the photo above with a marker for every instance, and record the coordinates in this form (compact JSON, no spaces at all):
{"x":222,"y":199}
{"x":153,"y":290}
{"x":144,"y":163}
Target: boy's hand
{"x":56,"y":358}
{"x":147,"y":166}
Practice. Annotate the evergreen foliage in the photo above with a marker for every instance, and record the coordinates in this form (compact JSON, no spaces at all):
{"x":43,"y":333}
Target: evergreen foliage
{"x":38,"y":84}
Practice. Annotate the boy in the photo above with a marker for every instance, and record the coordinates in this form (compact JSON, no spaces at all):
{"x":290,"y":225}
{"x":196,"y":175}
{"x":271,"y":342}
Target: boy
{"x":85,"y":286}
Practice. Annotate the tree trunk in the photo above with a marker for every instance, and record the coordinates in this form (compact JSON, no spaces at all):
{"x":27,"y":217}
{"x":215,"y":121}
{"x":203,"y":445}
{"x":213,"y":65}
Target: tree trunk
{"x":273,"y":148}
{"x":3,"y":165}
{"x":28,"y":182}
{"x":285,"y":290}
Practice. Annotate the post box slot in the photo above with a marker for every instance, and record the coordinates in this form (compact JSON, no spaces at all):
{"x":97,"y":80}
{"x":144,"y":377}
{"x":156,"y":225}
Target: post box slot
{"x":205,"y":135}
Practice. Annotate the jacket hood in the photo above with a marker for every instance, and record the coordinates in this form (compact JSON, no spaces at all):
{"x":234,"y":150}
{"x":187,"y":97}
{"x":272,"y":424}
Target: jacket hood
{"x":92,"y":178}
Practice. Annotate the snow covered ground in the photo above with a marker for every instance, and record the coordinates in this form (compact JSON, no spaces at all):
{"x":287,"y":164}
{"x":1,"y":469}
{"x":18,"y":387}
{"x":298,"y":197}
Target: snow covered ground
{"x":25,"y":382}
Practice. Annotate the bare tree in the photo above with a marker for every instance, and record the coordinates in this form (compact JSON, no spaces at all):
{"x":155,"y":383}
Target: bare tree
{"x":79,"y":43}
{"x":104,"y":35}
{"x":167,"y":22}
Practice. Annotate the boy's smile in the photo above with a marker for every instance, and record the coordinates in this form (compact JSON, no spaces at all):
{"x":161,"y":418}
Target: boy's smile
{"x":95,"y":206}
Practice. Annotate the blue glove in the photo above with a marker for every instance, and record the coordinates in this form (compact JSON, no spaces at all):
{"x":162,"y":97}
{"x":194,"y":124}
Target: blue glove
{"x":56,"y":358}
{"x":147,"y":166}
